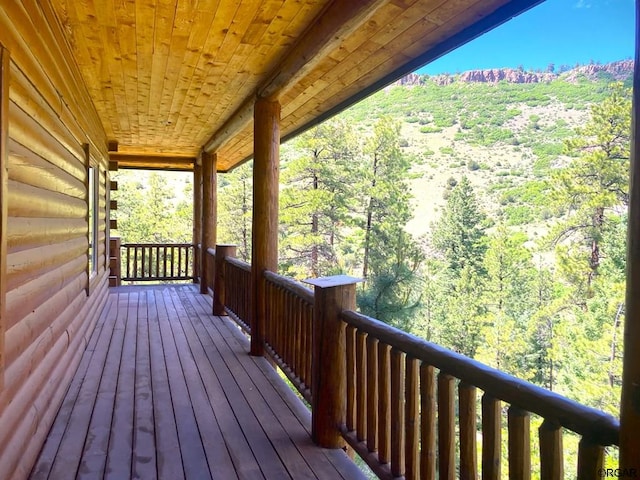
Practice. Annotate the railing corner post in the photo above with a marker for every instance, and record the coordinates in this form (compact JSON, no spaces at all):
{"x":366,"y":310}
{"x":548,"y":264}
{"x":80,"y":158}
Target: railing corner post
{"x":219,"y":287}
{"x":115,"y":273}
{"x":332,"y":296}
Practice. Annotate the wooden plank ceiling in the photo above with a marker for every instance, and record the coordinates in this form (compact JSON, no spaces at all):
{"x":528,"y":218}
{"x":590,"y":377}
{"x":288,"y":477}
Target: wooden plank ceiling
{"x":169,"y":77}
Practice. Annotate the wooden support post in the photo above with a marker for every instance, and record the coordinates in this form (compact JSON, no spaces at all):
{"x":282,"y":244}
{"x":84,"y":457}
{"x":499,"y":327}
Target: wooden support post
{"x":332,"y":295}
{"x":630,"y":402}
{"x":209,"y":213}
{"x":4,"y":177}
{"x":219,"y":287}
{"x":264,"y":245}
{"x":197,"y":220}
{"x":115,"y":273}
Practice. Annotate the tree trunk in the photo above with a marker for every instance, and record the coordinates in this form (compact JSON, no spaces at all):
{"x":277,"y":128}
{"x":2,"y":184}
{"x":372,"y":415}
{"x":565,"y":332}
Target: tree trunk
{"x":367,"y":234}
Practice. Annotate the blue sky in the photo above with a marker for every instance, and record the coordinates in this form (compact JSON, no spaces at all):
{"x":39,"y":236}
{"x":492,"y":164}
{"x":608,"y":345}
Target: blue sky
{"x":557,"y":31}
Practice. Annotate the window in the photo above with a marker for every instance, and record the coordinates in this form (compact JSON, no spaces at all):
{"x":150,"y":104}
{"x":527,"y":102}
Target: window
{"x":92,"y":191}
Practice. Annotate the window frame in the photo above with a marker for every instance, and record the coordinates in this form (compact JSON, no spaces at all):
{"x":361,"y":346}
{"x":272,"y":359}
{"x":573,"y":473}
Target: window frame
{"x":92,"y":199}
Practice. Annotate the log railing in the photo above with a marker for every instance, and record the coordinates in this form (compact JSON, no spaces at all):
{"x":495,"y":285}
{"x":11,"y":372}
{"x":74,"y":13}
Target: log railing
{"x":411,"y":408}
{"x":157,"y":262}
{"x":288,"y":325}
{"x":401,"y":405}
{"x":238,"y":280}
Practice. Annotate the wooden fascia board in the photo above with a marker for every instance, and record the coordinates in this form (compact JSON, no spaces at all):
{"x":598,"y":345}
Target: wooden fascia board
{"x":330,"y":27}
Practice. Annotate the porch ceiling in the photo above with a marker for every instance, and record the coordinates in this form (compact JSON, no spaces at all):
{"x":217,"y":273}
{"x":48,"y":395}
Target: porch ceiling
{"x":169,"y":77}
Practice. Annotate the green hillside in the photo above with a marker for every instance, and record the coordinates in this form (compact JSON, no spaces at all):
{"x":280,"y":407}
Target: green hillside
{"x":505,"y":137}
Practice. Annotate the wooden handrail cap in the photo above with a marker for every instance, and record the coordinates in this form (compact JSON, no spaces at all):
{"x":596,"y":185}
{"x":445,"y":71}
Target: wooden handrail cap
{"x":332,"y":281}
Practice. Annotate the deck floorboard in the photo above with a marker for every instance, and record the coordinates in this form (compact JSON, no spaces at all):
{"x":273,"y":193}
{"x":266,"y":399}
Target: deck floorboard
{"x":165,"y":390}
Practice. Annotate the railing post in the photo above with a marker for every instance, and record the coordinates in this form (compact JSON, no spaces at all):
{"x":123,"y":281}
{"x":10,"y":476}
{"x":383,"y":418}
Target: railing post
{"x":630,"y":396}
{"x":332,"y":295}
{"x":197,"y":220}
{"x":219,"y":287}
{"x":209,"y":213}
{"x":115,"y":273}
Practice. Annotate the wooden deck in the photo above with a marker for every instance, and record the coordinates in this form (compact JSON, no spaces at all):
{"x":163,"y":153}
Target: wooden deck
{"x":166,"y":390}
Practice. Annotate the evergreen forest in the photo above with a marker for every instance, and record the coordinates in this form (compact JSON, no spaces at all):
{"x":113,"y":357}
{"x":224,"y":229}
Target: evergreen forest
{"x":489,"y":218}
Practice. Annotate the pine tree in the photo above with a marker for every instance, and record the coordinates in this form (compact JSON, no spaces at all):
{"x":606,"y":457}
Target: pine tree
{"x":385,"y":194}
{"x":594,"y":185}
{"x":390,"y":257}
{"x":235,"y":210}
{"x":314,"y":199}
{"x":459,"y":234}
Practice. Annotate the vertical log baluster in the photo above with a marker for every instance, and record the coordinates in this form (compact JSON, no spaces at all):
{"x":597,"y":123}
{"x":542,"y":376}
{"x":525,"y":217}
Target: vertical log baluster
{"x":384,"y":403}
{"x":275,"y":318}
{"x":286,"y":327}
{"x":128,"y":255}
{"x":135,"y":261}
{"x":361,"y":386}
{"x":267,"y":332}
{"x":397,"y":412}
{"x":590,"y":459}
{"x":303,"y":344}
{"x":428,"y":423}
{"x":164,"y":262}
{"x":372,"y":393}
{"x":491,"y":437}
{"x":144,"y":262}
{"x":446,"y":426}
{"x":468,"y":451}
{"x":551,"y":461}
{"x":297,"y":337}
{"x":270,"y":328}
{"x":412,"y":420}
{"x":290,"y":329}
{"x":519,"y":444}
{"x":308,"y":339}
{"x":351,"y":377}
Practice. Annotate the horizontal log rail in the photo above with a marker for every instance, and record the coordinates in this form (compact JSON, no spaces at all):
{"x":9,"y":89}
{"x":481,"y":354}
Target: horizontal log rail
{"x":238,"y":286}
{"x":397,"y":401}
{"x":288,"y":327}
{"x":157,"y":262}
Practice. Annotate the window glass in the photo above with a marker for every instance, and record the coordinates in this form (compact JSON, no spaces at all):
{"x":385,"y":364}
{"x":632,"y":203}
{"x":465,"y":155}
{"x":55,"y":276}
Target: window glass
{"x":93,"y":220}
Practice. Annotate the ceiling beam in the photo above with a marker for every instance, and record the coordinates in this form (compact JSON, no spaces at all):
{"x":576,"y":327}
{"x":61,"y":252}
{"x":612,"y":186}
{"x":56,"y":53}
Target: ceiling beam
{"x":330,"y":27}
{"x":153,"y":162}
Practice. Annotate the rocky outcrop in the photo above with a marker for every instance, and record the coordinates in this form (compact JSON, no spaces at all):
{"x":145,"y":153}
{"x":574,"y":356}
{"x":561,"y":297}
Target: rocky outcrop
{"x":509,"y":75}
{"x":619,"y":71}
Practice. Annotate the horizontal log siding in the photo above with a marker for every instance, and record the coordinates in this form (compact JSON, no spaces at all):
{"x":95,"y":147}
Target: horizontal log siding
{"x":49,"y":314}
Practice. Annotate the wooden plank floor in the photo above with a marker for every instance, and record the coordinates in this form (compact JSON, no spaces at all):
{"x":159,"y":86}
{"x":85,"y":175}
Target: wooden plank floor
{"x":166,"y":390}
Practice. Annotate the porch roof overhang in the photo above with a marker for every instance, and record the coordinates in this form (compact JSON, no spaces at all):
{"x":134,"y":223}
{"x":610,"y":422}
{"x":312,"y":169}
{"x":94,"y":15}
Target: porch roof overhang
{"x":171,"y":78}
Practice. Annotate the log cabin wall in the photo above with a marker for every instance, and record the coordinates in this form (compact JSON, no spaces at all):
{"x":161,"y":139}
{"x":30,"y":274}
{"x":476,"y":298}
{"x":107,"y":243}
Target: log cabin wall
{"x":52,"y":300}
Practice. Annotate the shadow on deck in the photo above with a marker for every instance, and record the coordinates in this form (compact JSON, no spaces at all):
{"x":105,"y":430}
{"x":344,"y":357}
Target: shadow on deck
{"x":166,"y":390}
